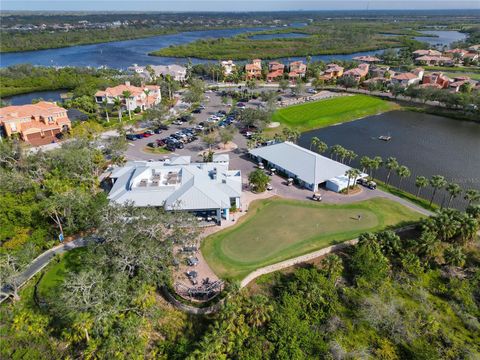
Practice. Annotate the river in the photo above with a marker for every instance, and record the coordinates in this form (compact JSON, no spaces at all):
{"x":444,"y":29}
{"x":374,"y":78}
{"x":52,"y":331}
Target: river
{"x":427,"y":144}
{"x":122,"y":54}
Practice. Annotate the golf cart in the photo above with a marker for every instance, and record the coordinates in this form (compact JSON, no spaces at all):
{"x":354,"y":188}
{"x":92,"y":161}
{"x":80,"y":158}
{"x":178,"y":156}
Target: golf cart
{"x":289,"y":182}
{"x":272,"y":171}
{"x":372,"y":185}
{"x":317,"y":197}
{"x":260,"y":166}
{"x":269,"y":187}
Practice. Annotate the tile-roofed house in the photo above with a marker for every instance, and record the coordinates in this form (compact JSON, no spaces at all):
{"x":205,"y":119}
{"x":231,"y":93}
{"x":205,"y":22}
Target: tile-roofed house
{"x":429,"y":52}
{"x":35,"y":123}
{"x":274,"y":75}
{"x":200,"y":188}
{"x":367,"y":59}
{"x":434,"y":60}
{"x":254,"y":70}
{"x":275,"y":65}
{"x":142,"y":97}
{"x":333,"y":71}
{"x":308,"y":168}
{"x":415,"y":76}
{"x":297,"y":69}
{"x":228,"y":67}
{"x":176,"y":72}
{"x":357,"y":73}
{"x":436,"y":78}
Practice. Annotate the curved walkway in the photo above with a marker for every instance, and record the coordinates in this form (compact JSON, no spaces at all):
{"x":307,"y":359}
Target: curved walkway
{"x":43,"y":260}
{"x":304,"y":258}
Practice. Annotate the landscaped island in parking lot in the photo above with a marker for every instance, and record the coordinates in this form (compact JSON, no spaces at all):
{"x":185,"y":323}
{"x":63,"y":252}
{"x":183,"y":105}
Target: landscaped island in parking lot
{"x":318,"y":114}
{"x":276,"y":229}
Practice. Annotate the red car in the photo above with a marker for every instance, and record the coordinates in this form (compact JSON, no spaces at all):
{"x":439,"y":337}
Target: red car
{"x":145,"y":134}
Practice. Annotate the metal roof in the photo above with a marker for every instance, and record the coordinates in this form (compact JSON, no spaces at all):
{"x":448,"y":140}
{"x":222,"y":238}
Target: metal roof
{"x":196,"y":186}
{"x":308,"y":166}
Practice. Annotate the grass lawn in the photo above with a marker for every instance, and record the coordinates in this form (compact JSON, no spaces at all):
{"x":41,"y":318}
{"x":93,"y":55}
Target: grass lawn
{"x":328,"y":112}
{"x":278,"y":229}
{"x":158,"y":150}
{"x":56,"y":271}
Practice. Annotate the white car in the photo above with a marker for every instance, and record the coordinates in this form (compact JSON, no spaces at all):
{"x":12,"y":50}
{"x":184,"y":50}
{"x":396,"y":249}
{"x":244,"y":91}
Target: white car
{"x":269,"y":187}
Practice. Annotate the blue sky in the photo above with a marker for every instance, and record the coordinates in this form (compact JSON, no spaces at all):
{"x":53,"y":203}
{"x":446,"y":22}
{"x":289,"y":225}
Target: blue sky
{"x":232,"y":5}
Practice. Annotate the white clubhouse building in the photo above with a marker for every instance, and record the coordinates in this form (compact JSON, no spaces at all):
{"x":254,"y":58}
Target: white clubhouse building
{"x":205,"y":189}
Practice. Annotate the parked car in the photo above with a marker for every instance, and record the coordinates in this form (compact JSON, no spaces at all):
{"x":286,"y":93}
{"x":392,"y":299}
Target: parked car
{"x":153,"y":144}
{"x":190,"y":248}
{"x":197,"y":111}
{"x":269,"y":187}
{"x":158,"y":131}
{"x":170,"y":147}
{"x":192,"y":261}
{"x":163,"y":127}
{"x":161,"y":142}
{"x":145,"y":134}
{"x":317,"y":197}
{"x":149,"y":132}
{"x":311,"y":91}
{"x":192,"y":274}
{"x":139,"y":136}
{"x":131,"y":137}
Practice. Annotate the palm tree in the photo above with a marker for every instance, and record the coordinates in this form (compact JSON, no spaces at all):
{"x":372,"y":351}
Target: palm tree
{"x":321,"y":147}
{"x":403,"y":172}
{"x":421,"y":182}
{"x":454,"y":190}
{"x":314,"y":142}
{"x":105,"y":106}
{"x":126,"y":96}
{"x":355,"y":173}
{"x":437,"y":182}
{"x":342,"y":153}
{"x":117,"y":104}
{"x":377,"y":161}
{"x":351,"y":155}
{"x":366,"y":163}
{"x":472,"y":195}
{"x":335,"y":150}
{"x":147,"y":93}
{"x":258,"y":311}
{"x":333,"y":266}
{"x":391,"y":164}
{"x":349,"y":174}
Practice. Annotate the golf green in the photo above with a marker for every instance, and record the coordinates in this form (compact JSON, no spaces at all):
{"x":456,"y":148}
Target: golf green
{"x":318,"y":114}
{"x":277,"y":229}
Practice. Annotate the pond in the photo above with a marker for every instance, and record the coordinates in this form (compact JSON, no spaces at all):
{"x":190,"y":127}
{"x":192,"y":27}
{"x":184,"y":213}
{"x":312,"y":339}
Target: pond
{"x":27,"y":98}
{"x":441,"y":38}
{"x":427,"y":144}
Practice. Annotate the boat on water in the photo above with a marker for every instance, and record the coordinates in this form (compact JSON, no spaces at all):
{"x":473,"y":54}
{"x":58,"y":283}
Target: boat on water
{"x":385,"y":137}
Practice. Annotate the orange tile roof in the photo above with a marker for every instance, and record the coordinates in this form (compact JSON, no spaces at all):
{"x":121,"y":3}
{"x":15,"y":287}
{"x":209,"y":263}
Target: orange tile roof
{"x":42,"y":108}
